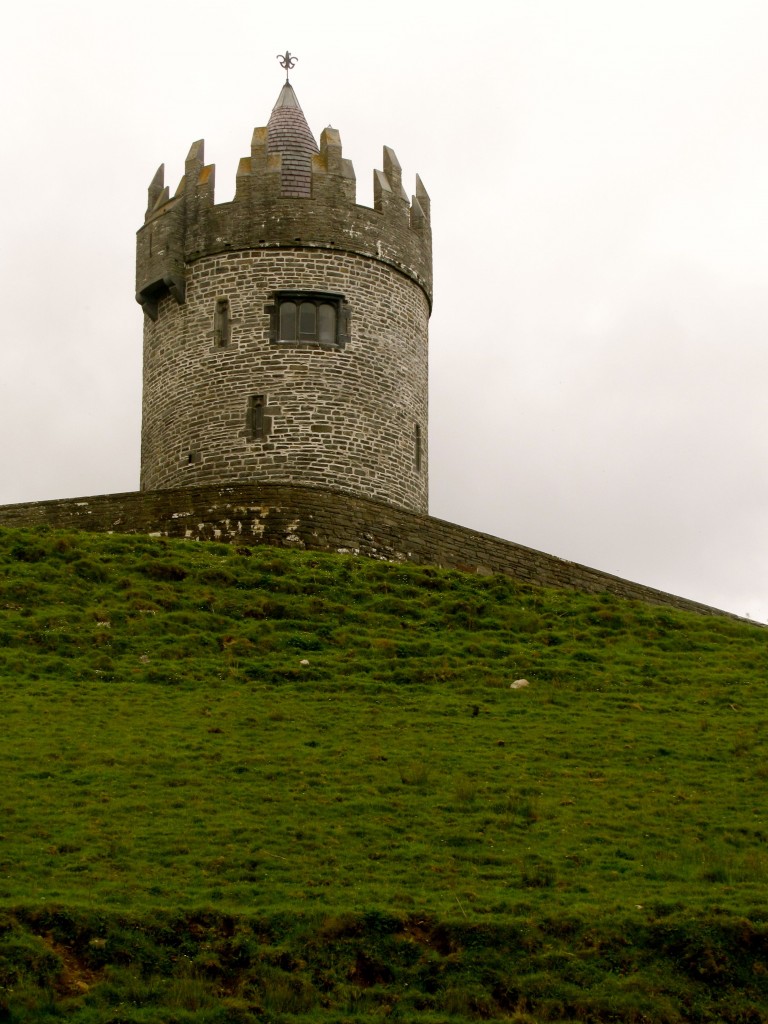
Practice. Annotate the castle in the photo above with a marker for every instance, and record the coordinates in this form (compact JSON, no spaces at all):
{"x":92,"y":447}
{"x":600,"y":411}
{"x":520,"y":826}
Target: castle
{"x":285,"y":334}
{"x":285,"y":369}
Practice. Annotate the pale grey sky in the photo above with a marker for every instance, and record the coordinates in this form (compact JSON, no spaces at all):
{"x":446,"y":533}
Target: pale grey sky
{"x":598,"y":169}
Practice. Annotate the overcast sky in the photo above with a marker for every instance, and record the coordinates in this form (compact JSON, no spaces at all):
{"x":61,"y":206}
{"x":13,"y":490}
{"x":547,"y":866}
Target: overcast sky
{"x":599,"y":179}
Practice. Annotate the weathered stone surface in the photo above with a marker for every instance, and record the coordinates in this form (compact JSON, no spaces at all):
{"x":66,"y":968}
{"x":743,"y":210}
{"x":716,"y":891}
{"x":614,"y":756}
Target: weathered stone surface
{"x":351,"y":416}
{"x":318,"y":519}
{"x":340,"y":417}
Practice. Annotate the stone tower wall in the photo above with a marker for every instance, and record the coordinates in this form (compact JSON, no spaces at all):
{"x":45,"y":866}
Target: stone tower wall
{"x":351,"y":416}
{"x":347,"y":418}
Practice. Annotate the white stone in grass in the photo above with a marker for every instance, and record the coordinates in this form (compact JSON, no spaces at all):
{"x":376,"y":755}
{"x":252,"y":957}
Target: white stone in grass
{"x":519,"y":684}
{"x":304,"y":661}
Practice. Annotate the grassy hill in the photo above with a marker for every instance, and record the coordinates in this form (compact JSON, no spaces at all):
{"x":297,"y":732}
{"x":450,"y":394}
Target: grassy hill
{"x":243,"y":785}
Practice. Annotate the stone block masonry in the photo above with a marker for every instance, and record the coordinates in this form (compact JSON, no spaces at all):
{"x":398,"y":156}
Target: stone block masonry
{"x":317,"y":519}
{"x":345,"y":417}
{"x":286,"y":331}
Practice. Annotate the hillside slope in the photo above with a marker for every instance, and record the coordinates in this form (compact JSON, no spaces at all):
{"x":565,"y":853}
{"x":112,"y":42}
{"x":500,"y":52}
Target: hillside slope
{"x":268,"y":785}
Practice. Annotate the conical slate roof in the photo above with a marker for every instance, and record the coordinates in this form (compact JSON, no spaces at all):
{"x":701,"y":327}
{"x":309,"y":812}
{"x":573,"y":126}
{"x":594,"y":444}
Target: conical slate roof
{"x":288,"y":133}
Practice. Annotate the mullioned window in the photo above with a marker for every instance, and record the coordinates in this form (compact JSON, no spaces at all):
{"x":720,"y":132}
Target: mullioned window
{"x":319,"y":318}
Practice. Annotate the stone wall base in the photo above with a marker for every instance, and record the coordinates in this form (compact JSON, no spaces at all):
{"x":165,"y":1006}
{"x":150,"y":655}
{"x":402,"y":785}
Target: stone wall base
{"x":316,"y":519}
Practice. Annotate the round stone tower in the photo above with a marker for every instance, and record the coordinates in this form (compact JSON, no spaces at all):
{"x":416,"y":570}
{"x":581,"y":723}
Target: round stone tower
{"x":285,"y":332}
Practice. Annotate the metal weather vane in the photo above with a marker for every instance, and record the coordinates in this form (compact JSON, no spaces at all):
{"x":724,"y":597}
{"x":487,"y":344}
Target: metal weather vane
{"x":287,"y":61}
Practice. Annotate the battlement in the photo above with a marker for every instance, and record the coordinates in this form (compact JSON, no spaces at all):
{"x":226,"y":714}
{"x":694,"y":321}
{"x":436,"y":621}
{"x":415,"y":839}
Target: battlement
{"x":281,"y":200}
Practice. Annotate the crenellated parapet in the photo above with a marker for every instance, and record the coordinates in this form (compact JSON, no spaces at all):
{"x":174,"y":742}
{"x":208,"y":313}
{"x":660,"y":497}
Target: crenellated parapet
{"x":267,"y":213}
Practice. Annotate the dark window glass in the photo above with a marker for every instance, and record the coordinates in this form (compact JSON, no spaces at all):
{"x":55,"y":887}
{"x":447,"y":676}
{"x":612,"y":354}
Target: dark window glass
{"x":288,"y":321}
{"x":308,"y":321}
{"x":326,"y":322}
{"x":309,"y":316}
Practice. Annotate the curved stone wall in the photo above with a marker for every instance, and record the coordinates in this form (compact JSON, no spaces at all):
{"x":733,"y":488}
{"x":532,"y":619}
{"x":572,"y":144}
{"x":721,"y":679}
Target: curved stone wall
{"x":348,"y":418}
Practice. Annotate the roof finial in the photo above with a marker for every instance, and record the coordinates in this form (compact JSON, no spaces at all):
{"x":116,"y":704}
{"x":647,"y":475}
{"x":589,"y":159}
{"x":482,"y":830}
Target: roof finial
{"x":286,"y":61}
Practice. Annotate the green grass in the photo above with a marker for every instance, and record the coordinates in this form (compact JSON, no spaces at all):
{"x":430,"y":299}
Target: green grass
{"x":254,"y":784}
